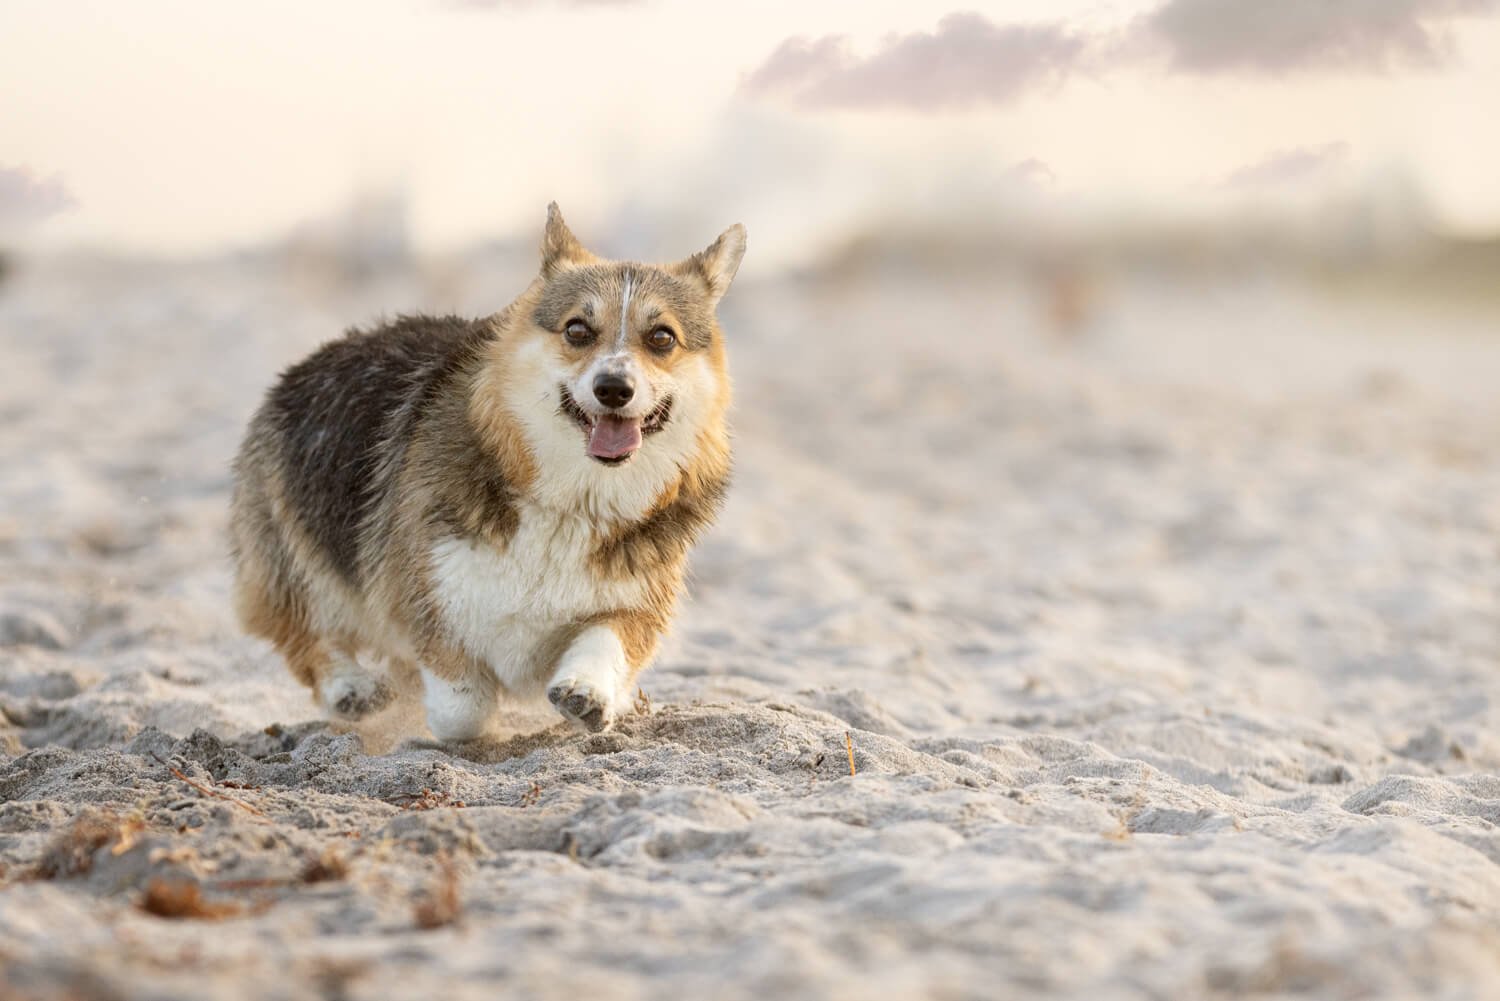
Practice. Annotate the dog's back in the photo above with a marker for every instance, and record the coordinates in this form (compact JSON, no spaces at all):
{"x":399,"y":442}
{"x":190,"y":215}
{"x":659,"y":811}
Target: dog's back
{"x":321,"y":428}
{"x":308,"y":479}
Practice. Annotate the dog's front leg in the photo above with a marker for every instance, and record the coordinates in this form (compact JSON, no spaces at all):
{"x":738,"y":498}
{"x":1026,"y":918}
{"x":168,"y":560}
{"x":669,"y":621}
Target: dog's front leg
{"x":586,"y":685}
{"x":591,"y":683}
{"x":458,"y":692}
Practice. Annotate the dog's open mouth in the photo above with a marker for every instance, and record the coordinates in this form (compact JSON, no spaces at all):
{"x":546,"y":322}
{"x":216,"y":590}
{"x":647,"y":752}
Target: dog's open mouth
{"x":611,"y":439}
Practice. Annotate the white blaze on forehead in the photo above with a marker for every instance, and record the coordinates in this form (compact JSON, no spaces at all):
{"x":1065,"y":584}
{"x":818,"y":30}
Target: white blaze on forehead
{"x":618,"y":359}
{"x":625,"y":312}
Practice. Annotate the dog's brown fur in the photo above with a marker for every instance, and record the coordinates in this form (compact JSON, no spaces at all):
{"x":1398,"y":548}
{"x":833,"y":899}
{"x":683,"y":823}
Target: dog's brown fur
{"x":414,"y":493}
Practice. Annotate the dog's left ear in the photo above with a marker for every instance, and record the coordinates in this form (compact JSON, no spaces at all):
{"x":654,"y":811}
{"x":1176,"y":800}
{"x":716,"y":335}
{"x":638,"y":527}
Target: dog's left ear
{"x":717,"y":264}
{"x":559,"y":246}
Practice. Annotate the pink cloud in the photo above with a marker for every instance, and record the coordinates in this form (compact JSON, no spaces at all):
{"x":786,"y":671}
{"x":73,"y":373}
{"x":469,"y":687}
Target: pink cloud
{"x":966,"y":61}
{"x":1278,"y":36}
{"x":1287,"y":167}
{"x":26,"y":199}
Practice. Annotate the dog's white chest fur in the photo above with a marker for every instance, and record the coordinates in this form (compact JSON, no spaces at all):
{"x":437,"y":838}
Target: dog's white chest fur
{"x":501,"y":605}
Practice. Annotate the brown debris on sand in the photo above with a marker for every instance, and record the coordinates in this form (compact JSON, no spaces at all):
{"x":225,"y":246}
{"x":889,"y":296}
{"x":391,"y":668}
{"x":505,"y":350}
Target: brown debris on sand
{"x":439,"y":904}
{"x":182,"y":898}
{"x":72,"y":852}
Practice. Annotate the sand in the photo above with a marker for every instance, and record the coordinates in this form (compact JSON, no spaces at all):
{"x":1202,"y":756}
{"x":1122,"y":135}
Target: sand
{"x":1168,"y":656}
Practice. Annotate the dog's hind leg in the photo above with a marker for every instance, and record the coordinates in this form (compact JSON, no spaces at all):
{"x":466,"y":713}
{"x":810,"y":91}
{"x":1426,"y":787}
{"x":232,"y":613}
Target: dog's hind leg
{"x":277,"y":592}
{"x":343,"y":688}
{"x":339,"y":684}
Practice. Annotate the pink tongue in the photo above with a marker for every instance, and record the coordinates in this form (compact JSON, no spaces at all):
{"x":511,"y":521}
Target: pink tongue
{"x":614,"y":437}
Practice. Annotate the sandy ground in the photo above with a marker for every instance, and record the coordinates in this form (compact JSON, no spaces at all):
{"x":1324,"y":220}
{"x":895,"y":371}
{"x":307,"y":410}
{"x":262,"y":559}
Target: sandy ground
{"x":1169,"y":657}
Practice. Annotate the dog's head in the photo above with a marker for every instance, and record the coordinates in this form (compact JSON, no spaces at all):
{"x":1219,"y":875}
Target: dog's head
{"x":620,"y":364}
{"x":615,"y":371}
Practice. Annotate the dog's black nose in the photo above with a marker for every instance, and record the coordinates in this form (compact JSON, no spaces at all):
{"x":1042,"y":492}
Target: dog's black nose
{"x":614,"y":391}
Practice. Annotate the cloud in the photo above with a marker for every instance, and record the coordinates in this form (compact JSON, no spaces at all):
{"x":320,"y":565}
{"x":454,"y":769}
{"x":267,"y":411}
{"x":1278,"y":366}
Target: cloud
{"x":967,"y":61}
{"x":26,"y":199}
{"x":1030,"y":172}
{"x":1280,"y":36}
{"x":798,"y":62}
{"x":1285,"y":167}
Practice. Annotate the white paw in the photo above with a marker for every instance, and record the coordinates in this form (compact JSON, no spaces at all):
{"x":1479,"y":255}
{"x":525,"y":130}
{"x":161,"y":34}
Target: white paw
{"x":580,"y":702}
{"x":586,"y":687}
{"x":349,"y":692}
{"x":456,"y":710}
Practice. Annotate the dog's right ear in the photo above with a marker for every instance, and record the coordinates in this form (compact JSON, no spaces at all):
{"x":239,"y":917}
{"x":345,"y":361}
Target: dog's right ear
{"x":560,"y":247}
{"x":716,"y":266}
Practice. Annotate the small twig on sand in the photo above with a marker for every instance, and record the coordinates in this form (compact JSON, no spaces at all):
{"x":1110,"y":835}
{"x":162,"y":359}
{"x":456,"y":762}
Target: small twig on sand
{"x":642,"y":702}
{"x":849,"y":746}
{"x":268,"y":883}
{"x":427,"y":799}
{"x":325,"y":867}
{"x":209,"y":791}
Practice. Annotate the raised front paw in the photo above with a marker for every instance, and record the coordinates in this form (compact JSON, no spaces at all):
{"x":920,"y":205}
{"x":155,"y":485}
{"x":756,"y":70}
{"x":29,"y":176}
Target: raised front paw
{"x":581,"y":703}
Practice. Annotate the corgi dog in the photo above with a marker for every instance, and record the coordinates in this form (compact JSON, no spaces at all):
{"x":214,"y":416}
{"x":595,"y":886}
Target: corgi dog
{"x":503,"y":506}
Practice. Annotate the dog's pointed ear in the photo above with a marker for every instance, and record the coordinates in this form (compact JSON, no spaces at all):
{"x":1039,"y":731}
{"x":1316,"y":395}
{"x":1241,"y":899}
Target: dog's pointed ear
{"x":717,"y":264}
{"x":559,"y":246}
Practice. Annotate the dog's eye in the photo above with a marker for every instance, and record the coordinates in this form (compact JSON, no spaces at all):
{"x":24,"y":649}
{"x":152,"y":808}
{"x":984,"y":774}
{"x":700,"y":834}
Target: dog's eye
{"x":661,"y":339}
{"x":578,"y":332}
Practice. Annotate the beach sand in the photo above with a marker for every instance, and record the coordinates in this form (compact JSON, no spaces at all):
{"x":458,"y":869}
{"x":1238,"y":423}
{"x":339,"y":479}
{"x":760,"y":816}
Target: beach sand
{"x":1165,"y":656}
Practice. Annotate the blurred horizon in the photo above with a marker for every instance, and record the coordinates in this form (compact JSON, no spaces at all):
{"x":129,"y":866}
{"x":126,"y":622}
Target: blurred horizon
{"x":1330,"y":132}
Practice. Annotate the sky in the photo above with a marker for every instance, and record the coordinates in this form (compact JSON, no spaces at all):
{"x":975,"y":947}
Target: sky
{"x":174,"y":127}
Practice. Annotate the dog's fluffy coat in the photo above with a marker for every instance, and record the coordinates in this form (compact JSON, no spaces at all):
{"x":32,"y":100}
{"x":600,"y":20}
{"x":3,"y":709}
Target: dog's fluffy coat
{"x":449,"y":496}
